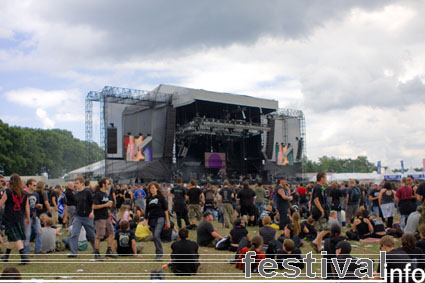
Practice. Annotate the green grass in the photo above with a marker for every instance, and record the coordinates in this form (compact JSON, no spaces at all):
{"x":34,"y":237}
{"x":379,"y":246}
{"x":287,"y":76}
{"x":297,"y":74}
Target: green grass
{"x":214,"y":264}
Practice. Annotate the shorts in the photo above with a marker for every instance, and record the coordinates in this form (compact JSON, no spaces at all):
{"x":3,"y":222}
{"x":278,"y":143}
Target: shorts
{"x":248,"y":210}
{"x":351,"y":210}
{"x":15,"y":231}
{"x":195,"y":211}
{"x":103,"y":228}
{"x":322,"y":224}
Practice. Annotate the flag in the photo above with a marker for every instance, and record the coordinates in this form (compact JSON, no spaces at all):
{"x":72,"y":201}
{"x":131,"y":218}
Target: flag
{"x":423,"y":164}
{"x":402,"y":166}
{"x":378,"y":167}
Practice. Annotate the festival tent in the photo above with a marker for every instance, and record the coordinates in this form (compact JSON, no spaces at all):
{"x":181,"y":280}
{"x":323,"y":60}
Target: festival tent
{"x":414,"y":174}
{"x":392,"y":176}
{"x":344,"y":177}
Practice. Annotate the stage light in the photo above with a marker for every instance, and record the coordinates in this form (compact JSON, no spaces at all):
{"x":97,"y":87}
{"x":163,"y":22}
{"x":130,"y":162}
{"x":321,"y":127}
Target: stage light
{"x":111,"y":124}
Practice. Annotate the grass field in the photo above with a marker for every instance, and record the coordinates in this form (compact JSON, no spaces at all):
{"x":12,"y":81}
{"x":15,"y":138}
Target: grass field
{"x":214,"y":264}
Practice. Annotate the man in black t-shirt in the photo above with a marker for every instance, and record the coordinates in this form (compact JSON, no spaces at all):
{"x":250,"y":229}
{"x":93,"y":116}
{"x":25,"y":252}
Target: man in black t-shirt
{"x":35,"y":226}
{"x":319,"y":210}
{"x":83,"y":217}
{"x":70,"y":199}
{"x":206,"y":234}
{"x":374,"y":197}
{"x":125,"y":241}
{"x":184,"y":255}
{"x":283,"y":197}
{"x":102,"y":221}
{"x":225,"y":197}
{"x":179,"y":196}
{"x":196,"y":199}
{"x":246,"y":198}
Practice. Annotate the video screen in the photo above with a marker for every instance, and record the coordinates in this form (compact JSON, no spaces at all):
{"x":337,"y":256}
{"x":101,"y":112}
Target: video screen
{"x":215,"y":160}
{"x":284,"y":154}
{"x":138,"y":148}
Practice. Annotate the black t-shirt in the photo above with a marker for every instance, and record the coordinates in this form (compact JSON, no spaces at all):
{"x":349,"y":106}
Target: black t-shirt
{"x":33,"y":200}
{"x":70,"y":197}
{"x":101,"y":198}
{"x":209,"y":196}
{"x":335,"y":194}
{"x":156,"y":206}
{"x":203,"y":232}
{"x":375,"y":193}
{"x":317,"y":192}
{"x":44,"y":196}
{"x":421,"y":244}
{"x":378,"y":225}
{"x":84,"y":200}
{"x":124,"y":239}
{"x":179,"y":193}
{"x":184,"y":256}
{"x":14,"y":209}
{"x":53,"y":194}
{"x":246,"y":197}
{"x":226,"y":194}
{"x":395,"y":259}
{"x":194,"y":195}
{"x":282,"y":255}
{"x":351,"y":268}
{"x":282,"y":204}
{"x":268,"y":233}
{"x":238,"y":233}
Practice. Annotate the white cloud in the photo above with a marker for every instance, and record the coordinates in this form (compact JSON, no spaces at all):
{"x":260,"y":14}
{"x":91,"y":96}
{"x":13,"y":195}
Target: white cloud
{"x":44,"y":118}
{"x":38,"y":98}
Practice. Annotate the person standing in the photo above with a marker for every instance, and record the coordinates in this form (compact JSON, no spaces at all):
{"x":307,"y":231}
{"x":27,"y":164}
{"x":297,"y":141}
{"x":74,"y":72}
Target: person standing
{"x":353,"y":199}
{"x":225,"y":196}
{"x":53,"y":201}
{"x":319,"y":210}
{"x":83,"y":217}
{"x":70,"y":200}
{"x":406,"y":202}
{"x":102,"y":221}
{"x":260,"y":196}
{"x":386,"y":203}
{"x":16,"y":210}
{"x":157,"y":215}
{"x":139,"y":197}
{"x":35,"y":226}
{"x":179,"y":196}
{"x":246,"y":197}
{"x":196,"y":199}
{"x":335,"y":196}
{"x":283,"y":197}
{"x":374,"y":198}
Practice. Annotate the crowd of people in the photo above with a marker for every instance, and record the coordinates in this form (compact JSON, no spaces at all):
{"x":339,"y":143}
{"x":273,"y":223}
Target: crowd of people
{"x":288,"y":215}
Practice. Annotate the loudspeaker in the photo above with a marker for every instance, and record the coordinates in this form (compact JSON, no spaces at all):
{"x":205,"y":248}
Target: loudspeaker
{"x":270,"y":139}
{"x":112,"y":135}
{"x":170,"y":131}
{"x":300,"y":149}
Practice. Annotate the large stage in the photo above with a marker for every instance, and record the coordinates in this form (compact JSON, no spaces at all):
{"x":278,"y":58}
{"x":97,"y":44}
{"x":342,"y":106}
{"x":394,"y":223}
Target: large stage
{"x":175,"y":131}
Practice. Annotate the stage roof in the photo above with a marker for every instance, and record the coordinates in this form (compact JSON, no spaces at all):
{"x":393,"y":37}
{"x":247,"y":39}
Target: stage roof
{"x":184,"y":96}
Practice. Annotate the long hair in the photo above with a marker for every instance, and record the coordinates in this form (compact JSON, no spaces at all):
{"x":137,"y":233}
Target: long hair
{"x":296,"y":219}
{"x":157,"y":186}
{"x":16,"y":185}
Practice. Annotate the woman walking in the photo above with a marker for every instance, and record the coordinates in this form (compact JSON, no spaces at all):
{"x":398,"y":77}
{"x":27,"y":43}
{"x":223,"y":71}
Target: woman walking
{"x":386,"y":202}
{"x":157,"y":215}
{"x":15,"y":211}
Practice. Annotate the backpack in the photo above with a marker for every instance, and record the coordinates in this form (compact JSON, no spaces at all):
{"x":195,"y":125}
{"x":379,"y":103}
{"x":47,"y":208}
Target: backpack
{"x":355,"y":194}
{"x":209,"y":196}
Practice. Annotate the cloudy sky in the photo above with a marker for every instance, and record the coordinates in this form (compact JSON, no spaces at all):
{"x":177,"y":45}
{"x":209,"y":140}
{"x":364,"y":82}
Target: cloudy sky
{"x":356,"y":68}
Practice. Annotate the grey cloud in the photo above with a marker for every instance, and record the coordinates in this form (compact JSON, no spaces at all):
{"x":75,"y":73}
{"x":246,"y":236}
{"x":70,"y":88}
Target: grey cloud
{"x":145,"y":28}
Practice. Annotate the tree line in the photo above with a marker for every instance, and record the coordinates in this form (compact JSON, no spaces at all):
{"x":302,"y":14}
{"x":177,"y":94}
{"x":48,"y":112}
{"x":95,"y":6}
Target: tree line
{"x":338,"y":165}
{"x":29,"y":152}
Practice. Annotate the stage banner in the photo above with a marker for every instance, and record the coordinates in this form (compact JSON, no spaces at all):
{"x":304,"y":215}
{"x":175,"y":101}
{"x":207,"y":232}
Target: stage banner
{"x":215,"y":160}
{"x":378,"y":167}
{"x":285,"y":154}
{"x":138,"y":148}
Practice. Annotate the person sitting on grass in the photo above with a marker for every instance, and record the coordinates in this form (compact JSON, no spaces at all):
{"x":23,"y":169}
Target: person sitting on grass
{"x":308,"y":232}
{"x":289,"y":250}
{"x":143,"y":233}
{"x":343,"y":251}
{"x":256,"y":245}
{"x":268,"y":233}
{"x":236,"y":234}
{"x":10,"y":273}
{"x":362,"y":226}
{"x":125,"y":242}
{"x":48,"y":236}
{"x":207,"y":236}
{"x":378,"y":226}
{"x":184,"y":255}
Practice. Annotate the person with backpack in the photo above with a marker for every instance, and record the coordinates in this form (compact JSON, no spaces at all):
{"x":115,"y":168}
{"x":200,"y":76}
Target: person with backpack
{"x":352,"y":201}
{"x":209,"y":194}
